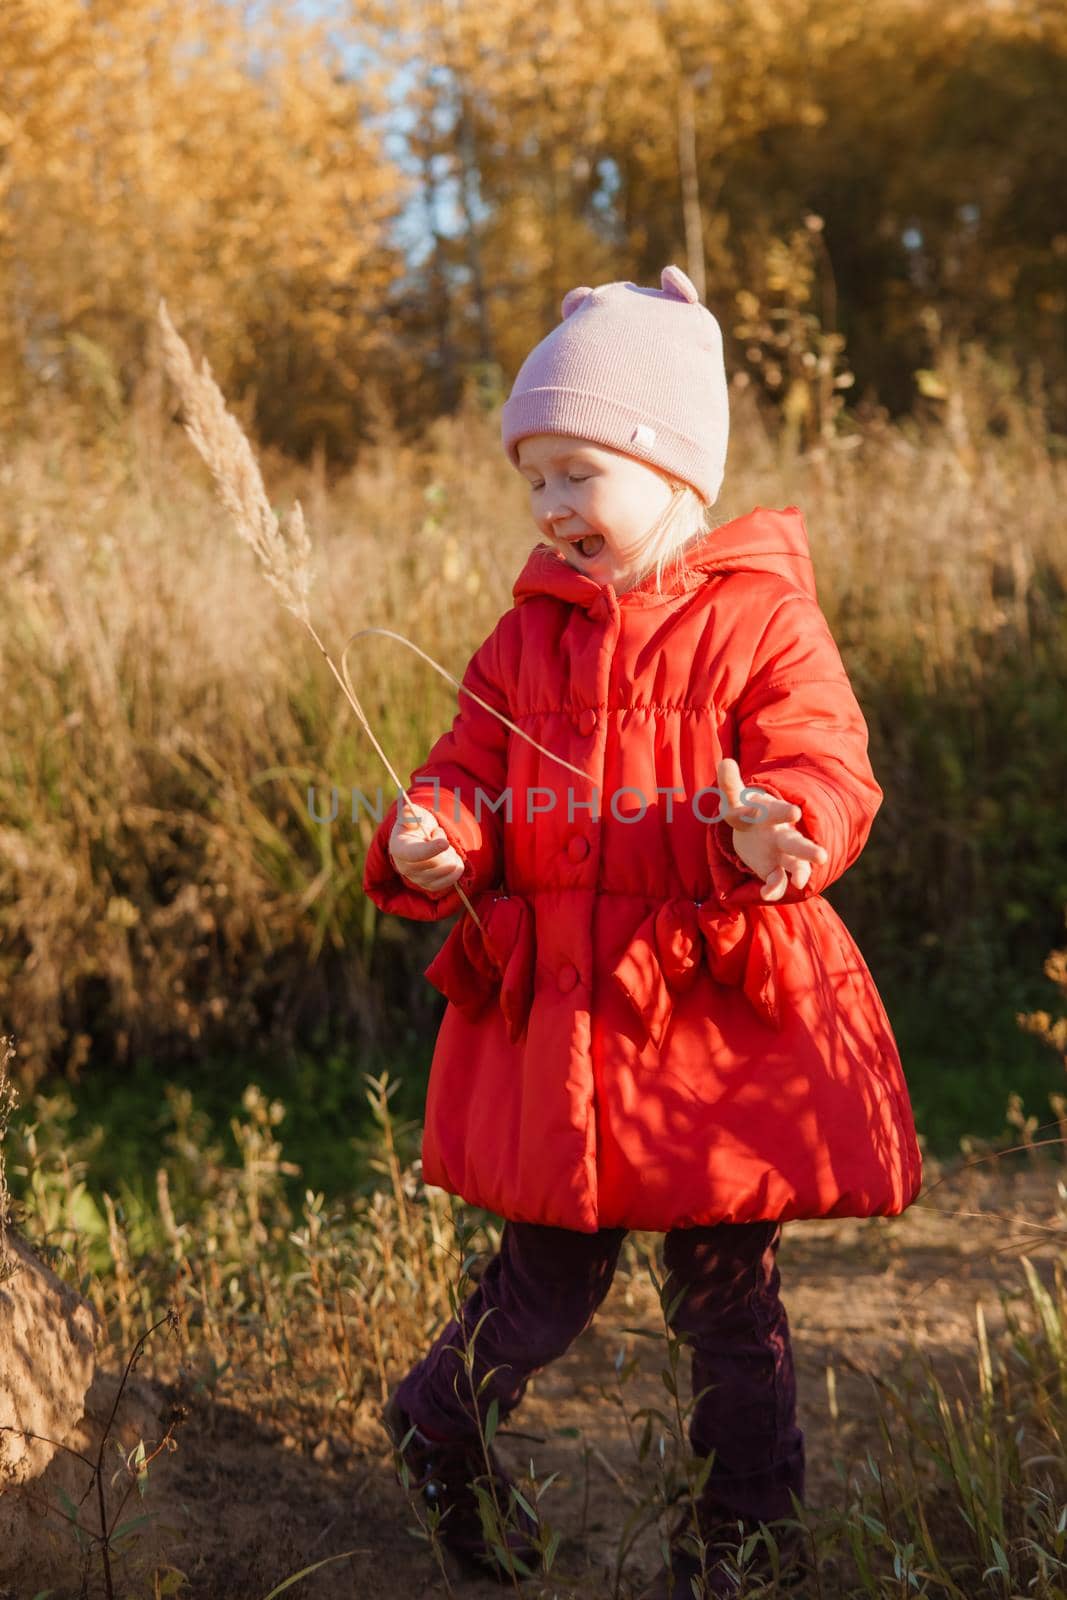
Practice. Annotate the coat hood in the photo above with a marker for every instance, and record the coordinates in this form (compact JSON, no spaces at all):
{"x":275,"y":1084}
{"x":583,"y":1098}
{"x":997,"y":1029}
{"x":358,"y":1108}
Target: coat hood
{"x":763,"y":540}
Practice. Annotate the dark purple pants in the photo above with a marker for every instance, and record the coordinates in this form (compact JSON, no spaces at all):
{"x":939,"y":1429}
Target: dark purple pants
{"x":542,"y":1289}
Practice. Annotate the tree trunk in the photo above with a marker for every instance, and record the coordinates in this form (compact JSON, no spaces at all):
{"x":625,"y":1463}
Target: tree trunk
{"x":687,"y":169}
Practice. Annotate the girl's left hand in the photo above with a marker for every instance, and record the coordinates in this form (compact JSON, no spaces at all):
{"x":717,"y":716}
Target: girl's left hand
{"x":774,"y":848}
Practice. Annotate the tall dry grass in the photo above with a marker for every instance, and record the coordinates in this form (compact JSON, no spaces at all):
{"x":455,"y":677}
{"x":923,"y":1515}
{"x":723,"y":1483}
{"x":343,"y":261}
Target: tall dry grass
{"x":162,"y":884}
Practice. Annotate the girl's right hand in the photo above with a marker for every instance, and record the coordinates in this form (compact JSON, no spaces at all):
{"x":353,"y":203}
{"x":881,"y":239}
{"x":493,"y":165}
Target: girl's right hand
{"x":420,"y":851}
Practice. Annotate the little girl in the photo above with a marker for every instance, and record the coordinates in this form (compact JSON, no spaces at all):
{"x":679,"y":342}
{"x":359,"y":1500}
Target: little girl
{"x":656,"y":1021}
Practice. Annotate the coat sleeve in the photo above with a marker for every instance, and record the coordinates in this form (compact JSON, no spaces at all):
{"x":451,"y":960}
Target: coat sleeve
{"x":463,"y":774}
{"x":801,"y":736}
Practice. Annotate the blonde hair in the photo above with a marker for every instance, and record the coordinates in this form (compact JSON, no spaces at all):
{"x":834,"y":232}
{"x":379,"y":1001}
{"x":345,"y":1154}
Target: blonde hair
{"x":683,"y":520}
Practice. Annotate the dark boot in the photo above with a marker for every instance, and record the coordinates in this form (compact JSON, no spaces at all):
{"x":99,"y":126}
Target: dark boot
{"x":682,"y":1580}
{"x":443,"y":1473}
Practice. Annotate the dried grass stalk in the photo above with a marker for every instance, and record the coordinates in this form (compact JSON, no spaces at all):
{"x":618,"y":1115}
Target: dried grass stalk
{"x":283,"y":551}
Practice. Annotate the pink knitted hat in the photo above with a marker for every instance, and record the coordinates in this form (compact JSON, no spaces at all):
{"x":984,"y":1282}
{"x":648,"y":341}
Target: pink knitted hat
{"x":638,"y":370}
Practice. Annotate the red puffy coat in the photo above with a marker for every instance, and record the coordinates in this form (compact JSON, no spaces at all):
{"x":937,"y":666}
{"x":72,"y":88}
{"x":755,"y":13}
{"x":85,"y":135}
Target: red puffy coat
{"x":634,"y":1038}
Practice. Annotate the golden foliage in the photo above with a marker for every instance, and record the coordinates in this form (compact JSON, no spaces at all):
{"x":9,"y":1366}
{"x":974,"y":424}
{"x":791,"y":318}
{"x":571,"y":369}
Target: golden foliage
{"x":156,"y":151}
{"x":240,"y":170}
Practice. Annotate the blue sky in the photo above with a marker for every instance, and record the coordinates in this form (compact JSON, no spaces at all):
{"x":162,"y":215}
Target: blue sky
{"x":412,"y":234}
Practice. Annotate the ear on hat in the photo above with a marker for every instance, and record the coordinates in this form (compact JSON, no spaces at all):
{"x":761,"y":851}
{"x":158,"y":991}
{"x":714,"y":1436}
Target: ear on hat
{"x":673,"y":281}
{"x":573,"y":299}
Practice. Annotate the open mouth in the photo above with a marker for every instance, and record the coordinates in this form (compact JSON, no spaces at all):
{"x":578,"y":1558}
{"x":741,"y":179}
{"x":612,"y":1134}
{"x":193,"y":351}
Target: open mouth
{"x":587,"y":544}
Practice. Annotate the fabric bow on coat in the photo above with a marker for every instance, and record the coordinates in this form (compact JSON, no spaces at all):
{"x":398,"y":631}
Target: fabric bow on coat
{"x":663,"y":959}
{"x":475,"y":963}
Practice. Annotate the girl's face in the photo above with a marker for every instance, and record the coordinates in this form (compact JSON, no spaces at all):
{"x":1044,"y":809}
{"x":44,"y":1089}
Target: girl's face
{"x":594,"y":504}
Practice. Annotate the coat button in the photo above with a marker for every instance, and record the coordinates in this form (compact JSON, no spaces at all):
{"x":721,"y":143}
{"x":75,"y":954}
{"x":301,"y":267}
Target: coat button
{"x":578,"y":848}
{"x":586,"y":720}
{"x":567,"y":977}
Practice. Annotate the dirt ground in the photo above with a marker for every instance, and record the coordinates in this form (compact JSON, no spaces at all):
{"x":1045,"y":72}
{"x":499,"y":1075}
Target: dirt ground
{"x":247,"y":1505}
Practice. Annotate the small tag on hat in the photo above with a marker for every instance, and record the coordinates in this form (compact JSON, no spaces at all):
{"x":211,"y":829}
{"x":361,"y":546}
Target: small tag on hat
{"x":644,"y":436}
